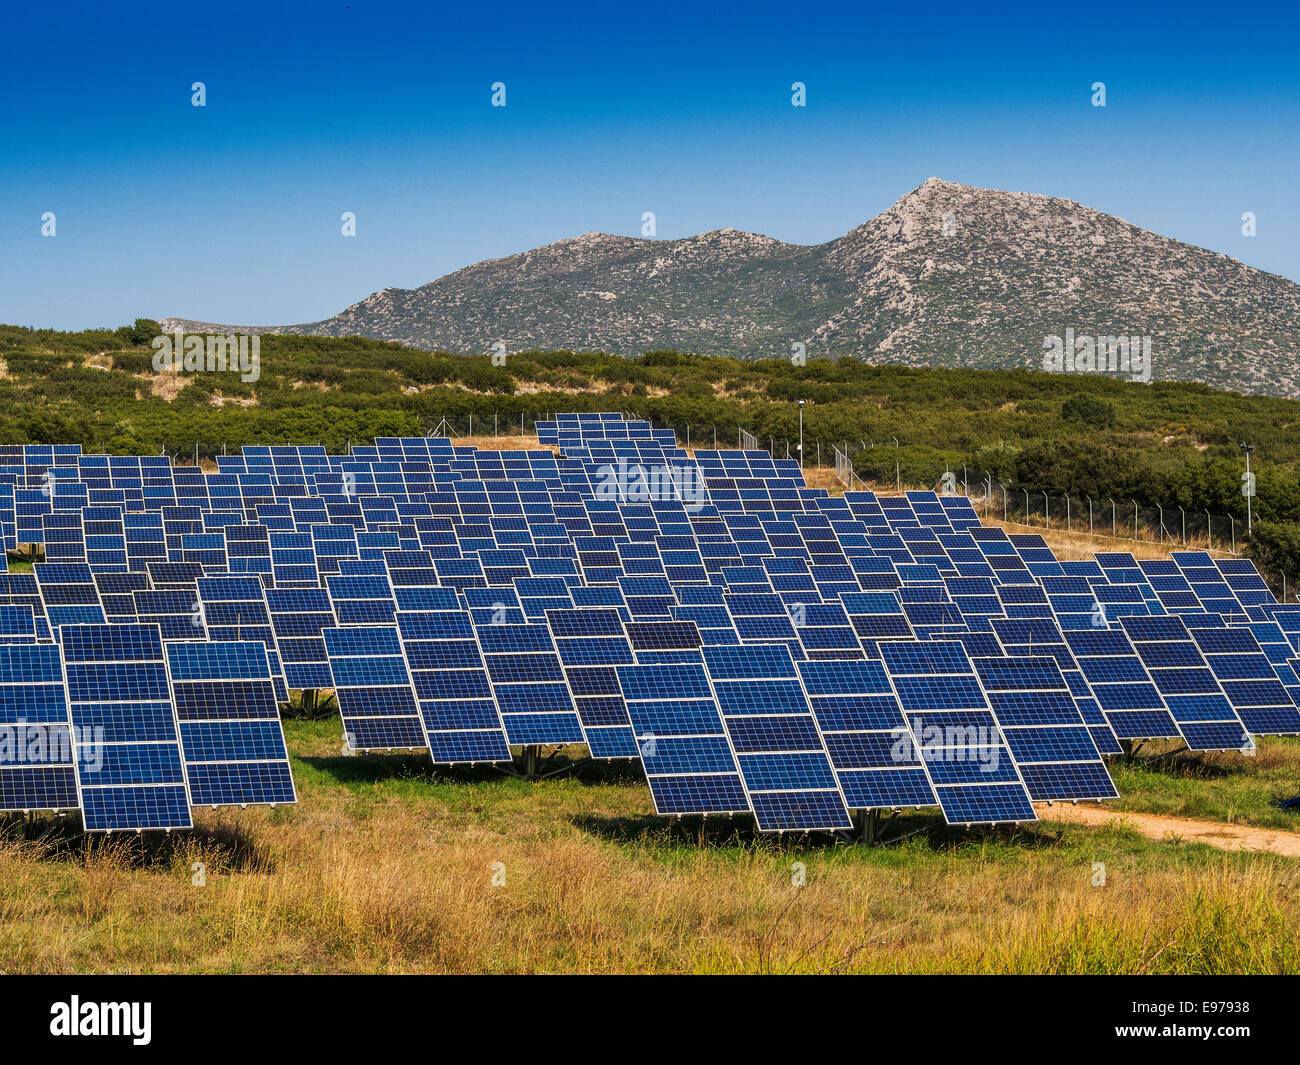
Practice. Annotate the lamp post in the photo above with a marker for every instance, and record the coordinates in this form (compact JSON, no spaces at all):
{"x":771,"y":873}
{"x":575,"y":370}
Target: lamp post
{"x":801,"y":403}
{"x":1248,"y":486}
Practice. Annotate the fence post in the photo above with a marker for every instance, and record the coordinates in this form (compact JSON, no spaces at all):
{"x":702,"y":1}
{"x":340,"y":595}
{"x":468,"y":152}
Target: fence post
{"x":1067,"y":511}
{"x":1160,"y":510}
{"x":1233,"y":525}
{"x":1184,"y":514}
{"x":1026,"y":506}
{"x":1047,"y":517}
{"x":898,"y":477}
{"x":1114,"y":527}
{"x":1004,"y":502}
{"x":1090,"y":515}
{"x":1135,"y":519}
{"x":1209,"y":530}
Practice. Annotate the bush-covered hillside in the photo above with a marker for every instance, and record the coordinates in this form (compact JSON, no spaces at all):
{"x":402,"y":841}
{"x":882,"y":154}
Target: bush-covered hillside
{"x":1168,"y":443}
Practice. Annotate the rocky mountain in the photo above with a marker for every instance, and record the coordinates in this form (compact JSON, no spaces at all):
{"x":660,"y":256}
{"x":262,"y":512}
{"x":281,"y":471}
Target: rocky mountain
{"x":950,"y":275}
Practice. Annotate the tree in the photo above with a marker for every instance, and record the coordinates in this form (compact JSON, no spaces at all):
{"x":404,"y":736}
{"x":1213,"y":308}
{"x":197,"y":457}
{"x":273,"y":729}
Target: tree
{"x":1088,"y":410}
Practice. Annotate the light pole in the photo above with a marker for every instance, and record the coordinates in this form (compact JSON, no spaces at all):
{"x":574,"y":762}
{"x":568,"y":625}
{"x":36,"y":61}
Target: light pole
{"x":1248,"y":488}
{"x":801,"y":403}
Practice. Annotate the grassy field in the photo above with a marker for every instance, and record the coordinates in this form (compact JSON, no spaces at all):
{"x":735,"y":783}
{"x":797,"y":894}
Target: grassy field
{"x":1219,"y":786}
{"x":388,"y":866}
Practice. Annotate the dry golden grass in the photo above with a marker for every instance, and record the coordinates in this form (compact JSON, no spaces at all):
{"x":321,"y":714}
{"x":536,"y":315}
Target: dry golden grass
{"x":387,"y":867}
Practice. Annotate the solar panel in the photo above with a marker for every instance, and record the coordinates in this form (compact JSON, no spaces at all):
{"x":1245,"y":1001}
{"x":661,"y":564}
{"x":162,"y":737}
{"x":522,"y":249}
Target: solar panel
{"x":862,"y":726}
{"x":125,"y":733}
{"x":298,"y":616}
{"x":684,"y":750}
{"x":591,"y":644}
{"x":1248,"y":680}
{"x":373,"y":686}
{"x":36,"y":758}
{"x":958,"y":736}
{"x":779,"y":749}
{"x":69,"y":592}
{"x":1044,"y":729}
{"x":1124,"y":690}
{"x":529,"y":685}
{"x":230,"y":730}
{"x":451,"y":684}
{"x":1190,"y":690}
{"x":1042,"y":636}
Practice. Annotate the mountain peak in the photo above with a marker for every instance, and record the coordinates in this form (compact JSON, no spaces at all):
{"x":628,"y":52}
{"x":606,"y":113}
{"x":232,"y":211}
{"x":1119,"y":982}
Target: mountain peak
{"x":949,"y":275}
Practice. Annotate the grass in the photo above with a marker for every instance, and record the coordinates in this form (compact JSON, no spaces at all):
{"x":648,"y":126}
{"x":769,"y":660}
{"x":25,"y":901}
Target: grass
{"x":1217,"y":786}
{"x":387,"y":866}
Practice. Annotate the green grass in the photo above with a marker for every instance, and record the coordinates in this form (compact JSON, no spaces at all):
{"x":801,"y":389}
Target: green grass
{"x":1225,"y":787}
{"x":386,"y":865}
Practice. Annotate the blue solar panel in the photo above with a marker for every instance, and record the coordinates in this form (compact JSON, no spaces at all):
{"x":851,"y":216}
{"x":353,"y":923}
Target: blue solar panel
{"x":861,"y":725}
{"x":1044,"y":729}
{"x":528,"y":684}
{"x":681,"y":739}
{"x":1248,"y":679}
{"x":231,"y":735}
{"x":959,"y":738}
{"x":36,"y":761}
{"x":1190,"y":690}
{"x":130,"y":773}
{"x":784,"y":765}
{"x":1121,"y":684}
{"x":371,"y":681}
{"x":451,"y":684}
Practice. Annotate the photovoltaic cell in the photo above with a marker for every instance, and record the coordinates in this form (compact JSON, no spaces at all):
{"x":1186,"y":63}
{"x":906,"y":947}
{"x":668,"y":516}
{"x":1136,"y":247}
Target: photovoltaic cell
{"x":36,"y":763}
{"x":961,"y":745}
{"x":862,"y":726}
{"x":451,"y":684}
{"x":683,"y":745}
{"x":231,"y":735}
{"x":373,"y":686}
{"x":1043,"y":727}
{"x":779,"y":749}
{"x":130,"y":773}
{"x":1179,"y":671}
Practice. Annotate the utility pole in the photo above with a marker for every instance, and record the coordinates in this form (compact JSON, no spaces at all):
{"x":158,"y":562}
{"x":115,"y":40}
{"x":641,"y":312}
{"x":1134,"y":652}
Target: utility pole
{"x":1248,"y":483}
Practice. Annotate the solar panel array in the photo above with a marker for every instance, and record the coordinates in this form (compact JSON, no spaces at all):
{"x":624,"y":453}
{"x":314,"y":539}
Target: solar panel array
{"x":758,"y":645}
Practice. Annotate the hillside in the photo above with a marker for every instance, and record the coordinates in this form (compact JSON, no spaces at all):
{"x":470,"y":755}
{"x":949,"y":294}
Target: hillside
{"x":1086,"y":436}
{"x":950,"y":275}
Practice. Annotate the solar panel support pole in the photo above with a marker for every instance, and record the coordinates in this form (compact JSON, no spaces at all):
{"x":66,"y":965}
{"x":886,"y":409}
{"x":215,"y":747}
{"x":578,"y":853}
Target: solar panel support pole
{"x":870,"y":826}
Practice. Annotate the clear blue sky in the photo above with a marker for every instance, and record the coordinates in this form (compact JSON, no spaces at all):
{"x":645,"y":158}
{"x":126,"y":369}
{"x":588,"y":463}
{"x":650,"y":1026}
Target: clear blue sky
{"x":231,"y":212}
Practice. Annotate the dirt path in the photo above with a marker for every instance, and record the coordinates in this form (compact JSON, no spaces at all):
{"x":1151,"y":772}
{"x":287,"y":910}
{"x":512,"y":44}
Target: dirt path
{"x":1157,"y":826}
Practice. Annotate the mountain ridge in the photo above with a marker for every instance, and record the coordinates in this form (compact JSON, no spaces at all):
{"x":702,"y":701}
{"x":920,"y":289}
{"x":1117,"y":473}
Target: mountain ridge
{"x":949,"y":275}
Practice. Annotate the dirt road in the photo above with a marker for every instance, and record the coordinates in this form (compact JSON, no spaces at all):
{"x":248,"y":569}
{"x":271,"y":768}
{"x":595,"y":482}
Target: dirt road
{"x":1157,"y":826}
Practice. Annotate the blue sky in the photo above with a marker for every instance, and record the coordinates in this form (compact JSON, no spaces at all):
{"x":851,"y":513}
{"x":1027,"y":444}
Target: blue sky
{"x":231,"y":212}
